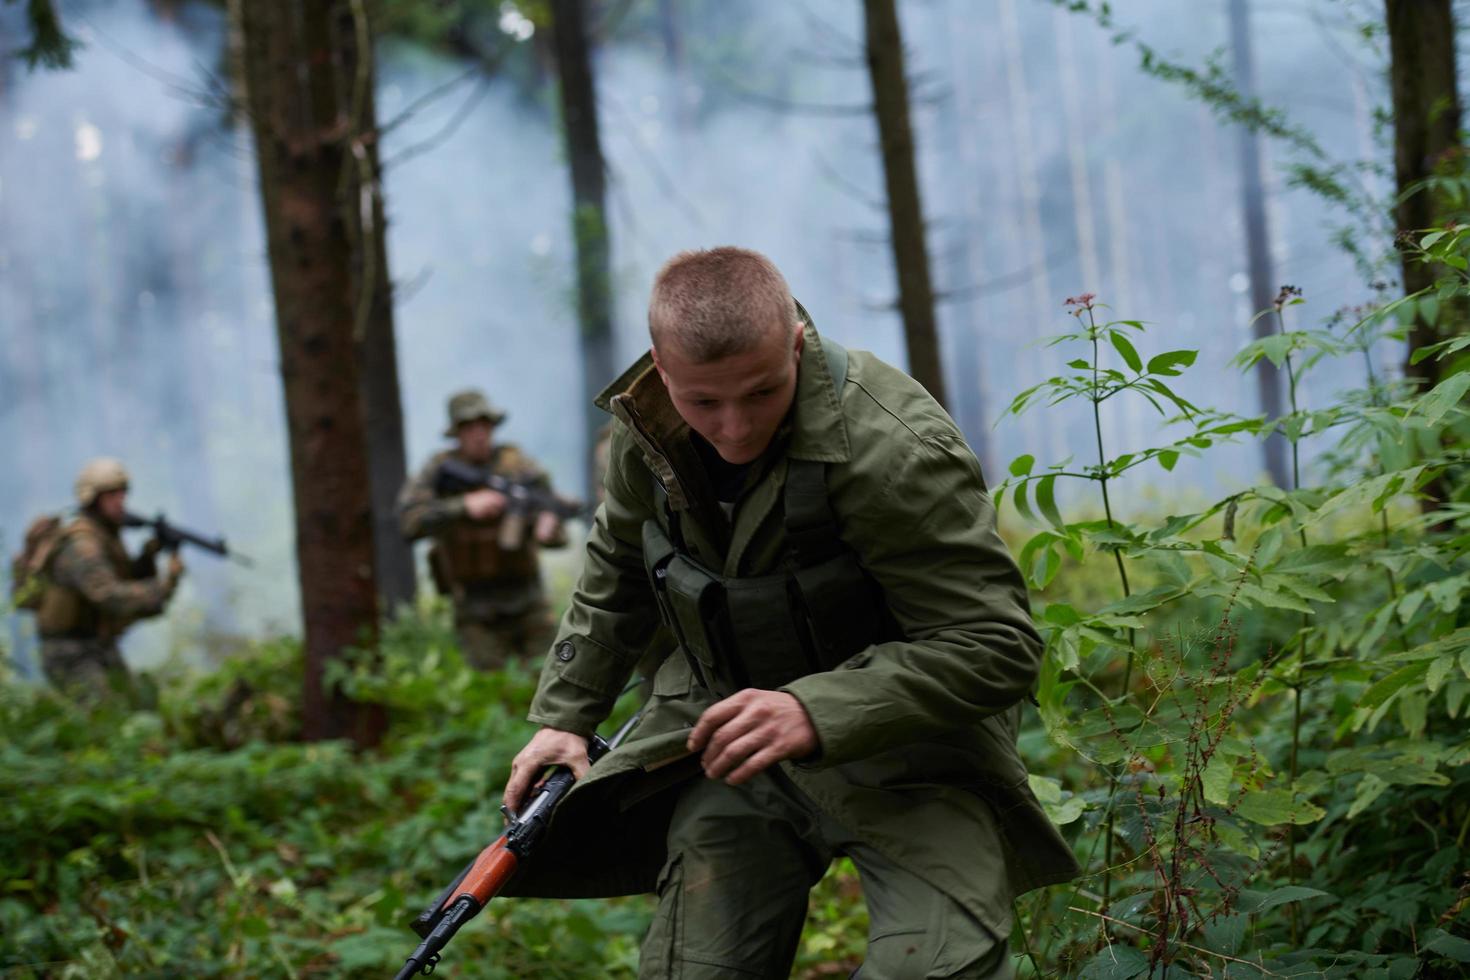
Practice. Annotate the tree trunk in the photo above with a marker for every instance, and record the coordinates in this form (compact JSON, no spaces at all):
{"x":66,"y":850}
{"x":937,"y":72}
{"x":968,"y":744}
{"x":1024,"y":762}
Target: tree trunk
{"x":589,"y":215}
{"x":299,"y":118}
{"x":905,"y":213}
{"x":1257,"y":243}
{"x":373,"y":309}
{"x":1426,"y":125}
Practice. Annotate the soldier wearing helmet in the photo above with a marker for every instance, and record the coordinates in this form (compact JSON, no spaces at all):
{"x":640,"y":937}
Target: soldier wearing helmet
{"x":94,"y":590}
{"x":493,"y":578}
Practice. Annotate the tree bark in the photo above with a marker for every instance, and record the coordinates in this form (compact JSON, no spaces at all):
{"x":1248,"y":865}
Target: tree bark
{"x":374,"y":328}
{"x":298,"y":118}
{"x":1263,"y":283}
{"x":589,"y":215}
{"x":1426,"y":124}
{"x":905,"y":213}
{"x":1426,"y":132}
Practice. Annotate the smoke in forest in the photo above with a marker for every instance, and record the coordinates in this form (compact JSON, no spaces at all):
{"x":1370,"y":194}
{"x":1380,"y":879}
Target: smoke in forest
{"x":135,"y":312}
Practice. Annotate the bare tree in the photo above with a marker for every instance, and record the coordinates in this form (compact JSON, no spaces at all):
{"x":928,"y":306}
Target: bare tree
{"x":589,"y":212}
{"x":1263,"y":283}
{"x":301,"y":108}
{"x":905,"y":213}
{"x":1426,"y":127}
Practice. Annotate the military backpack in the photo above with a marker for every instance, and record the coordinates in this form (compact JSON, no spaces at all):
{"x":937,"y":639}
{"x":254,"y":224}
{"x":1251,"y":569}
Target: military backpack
{"x":28,"y":566}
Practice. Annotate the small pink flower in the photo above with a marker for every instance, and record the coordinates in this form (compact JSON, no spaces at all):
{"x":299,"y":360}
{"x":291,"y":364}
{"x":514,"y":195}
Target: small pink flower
{"x":1079,"y":303}
{"x":1283,"y":297}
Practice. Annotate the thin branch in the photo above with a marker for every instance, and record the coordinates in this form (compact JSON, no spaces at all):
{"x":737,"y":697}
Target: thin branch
{"x":728,"y":83}
{"x":1183,"y":945}
{"x":652,"y":163}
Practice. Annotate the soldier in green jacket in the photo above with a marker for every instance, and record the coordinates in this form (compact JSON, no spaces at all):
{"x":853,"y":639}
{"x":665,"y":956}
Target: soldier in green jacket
{"x":854,"y":648}
{"x":94,"y":590}
{"x":484,"y":558}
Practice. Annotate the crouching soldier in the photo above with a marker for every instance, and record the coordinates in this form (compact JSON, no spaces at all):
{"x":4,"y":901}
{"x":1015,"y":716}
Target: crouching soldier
{"x":854,"y":647}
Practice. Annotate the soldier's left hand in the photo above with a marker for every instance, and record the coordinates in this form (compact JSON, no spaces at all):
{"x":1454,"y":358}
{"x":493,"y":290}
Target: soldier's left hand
{"x":749,"y":731}
{"x":548,"y":528}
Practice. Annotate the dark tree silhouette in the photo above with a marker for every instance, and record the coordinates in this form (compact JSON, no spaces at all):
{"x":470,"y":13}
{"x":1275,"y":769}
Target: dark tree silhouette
{"x":1263,"y":282}
{"x":301,"y":104}
{"x":905,"y":214}
{"x":589,"y":212}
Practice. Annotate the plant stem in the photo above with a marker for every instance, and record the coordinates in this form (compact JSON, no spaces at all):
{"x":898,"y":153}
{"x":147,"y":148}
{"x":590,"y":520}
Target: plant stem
{"x":1102,"y":481}
{"x":1296,"y":706}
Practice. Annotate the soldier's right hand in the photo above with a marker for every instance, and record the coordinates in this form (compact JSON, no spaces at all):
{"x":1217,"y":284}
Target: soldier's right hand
{"x":175,"y":566}
{"x":484,"y":505}
{"x":548,"y":747}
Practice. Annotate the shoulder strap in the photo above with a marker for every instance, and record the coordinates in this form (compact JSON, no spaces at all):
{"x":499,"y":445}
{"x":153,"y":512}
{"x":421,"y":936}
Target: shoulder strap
{"x":811,"y":527}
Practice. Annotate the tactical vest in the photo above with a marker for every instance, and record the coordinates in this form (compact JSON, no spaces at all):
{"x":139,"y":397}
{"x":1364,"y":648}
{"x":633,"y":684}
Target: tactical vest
{"x":765,"y":631}
{"x":473,"y":552}
{"x":65,"y":612}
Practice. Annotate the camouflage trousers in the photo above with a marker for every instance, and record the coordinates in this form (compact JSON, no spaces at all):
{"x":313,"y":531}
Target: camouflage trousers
{"x":85,"y":669}
{"x":491,"y":643}
{"x":732,"y":898}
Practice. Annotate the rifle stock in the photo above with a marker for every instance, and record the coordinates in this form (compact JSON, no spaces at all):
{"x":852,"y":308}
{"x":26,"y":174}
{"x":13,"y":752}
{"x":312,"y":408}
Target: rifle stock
{"x":488,"y":874}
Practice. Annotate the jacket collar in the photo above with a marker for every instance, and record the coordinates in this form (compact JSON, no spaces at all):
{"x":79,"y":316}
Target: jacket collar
{"x":817,"y":429}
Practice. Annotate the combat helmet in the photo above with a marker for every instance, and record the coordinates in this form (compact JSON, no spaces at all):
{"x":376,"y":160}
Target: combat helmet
{"x":470,"y":405}
{"x":99,"y":476}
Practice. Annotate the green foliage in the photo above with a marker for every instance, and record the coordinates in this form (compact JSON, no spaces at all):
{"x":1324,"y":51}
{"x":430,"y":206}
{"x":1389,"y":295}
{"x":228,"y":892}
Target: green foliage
{"x":1258,"y":708}
{"x":51,"y":46}
{"x":193,"y":841}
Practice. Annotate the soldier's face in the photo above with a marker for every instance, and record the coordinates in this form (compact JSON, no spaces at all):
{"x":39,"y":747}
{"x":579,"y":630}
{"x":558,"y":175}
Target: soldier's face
{"x":111,"y":504}
{"x":474,"y":438}
{"x":736,"y":403}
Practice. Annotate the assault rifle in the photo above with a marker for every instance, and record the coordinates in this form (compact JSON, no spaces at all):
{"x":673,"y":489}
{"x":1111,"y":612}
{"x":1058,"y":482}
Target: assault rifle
{"x":456,"y":476}
{"x":524,"y":499}
{"x":487,"y":875}
{"x":171,"y":537}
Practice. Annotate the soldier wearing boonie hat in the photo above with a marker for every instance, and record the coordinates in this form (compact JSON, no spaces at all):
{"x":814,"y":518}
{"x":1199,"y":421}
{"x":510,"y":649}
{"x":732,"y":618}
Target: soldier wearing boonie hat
{"x":493,"y":578}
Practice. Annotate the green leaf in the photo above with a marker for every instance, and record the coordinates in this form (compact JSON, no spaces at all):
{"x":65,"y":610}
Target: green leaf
{"x":1395,"y":682}
{"x":1429,"y":309}
{"x":1217,"y":778}
{"x":1167,"y":458}
{"x":1370,"y":787}
{"x":1427,"y":242}
{"x":1257,"y":902}
{"x":1169,"y":363}
{"x":1438,"y":671}
{"x":1125,"y":349}
{"x":1237,"y":840}
{"x":1060,"y":614}
{"x":1046,"y":502}
{"x":1445,"y":944}
{"x":1444,"y":396}
{"x":1021,"y":465}
{"x":1022,"y":505}
{"x":1274,"y":807}
{"x":1117,"y":962}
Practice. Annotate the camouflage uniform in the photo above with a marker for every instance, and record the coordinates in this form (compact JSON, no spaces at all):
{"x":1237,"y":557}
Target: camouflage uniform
{"x":93,"y":592}
{"x":493,"y":577}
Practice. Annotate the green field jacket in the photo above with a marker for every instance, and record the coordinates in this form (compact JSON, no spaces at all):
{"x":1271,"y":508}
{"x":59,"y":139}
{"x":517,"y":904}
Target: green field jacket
{"x":917,"y":736}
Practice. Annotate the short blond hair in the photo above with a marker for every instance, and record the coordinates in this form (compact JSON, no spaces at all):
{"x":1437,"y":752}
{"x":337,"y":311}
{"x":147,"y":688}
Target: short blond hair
{"x":717,"y":302}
